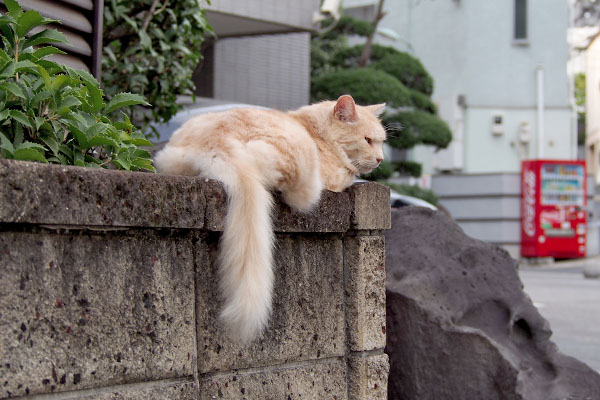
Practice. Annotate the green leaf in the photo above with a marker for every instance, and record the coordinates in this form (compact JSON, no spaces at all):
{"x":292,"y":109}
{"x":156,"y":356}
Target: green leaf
{"x":30,"y":145}
{"x":46,"y":51}
{"x":59,"y":82}
{"x":14,"y":8}
{"x":6,"y":144}
{"x":13,"y":89}
{"x":29,"y":20}
{"x":8,"y":70}
{"x":102,"y":141}
{"x":122,"y":163}
{"x":26,"y":65}
{"x":40,"y":96}
{"x":139,"y":141}
{"x":3,"y":115}
{"x":21,"y":117}
{"x":4,"y":56}
{"x":46,"y":36}
{"x":6,"y":20}
{"x":51,"y":143}
{"x":143,"y":164}
{"x":95,"y":129}
{"x":124,"y":100}
{"x":52,"y":67}
{"x":78,"y":160}
{"x":77,"y":118}
{"x":45,"y":76}
{"x":39,"y":121}
{"x":29,"y":154}
{"x":79,"y":135}
{"x":66,"y":104}
{"x":18,"y":138}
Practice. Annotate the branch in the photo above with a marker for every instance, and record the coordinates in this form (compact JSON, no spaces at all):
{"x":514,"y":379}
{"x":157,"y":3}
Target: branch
{"x":367,"y":49}
{"x":149,"y":15}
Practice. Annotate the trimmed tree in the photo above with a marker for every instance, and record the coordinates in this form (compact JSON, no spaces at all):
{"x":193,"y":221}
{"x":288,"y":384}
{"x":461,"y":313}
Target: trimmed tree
{"x":389,"y":75}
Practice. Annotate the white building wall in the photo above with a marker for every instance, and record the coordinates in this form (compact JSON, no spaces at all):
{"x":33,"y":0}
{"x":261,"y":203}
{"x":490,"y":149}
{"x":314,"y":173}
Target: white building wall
{"x":592,"y":107}
{"x":468,"y":48}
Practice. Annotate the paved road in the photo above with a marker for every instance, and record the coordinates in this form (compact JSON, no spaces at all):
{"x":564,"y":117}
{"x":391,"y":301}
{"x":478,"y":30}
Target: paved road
{"x":571,"y":304}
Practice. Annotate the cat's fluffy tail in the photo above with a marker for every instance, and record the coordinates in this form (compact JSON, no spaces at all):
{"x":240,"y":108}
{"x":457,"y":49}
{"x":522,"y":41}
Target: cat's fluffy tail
{"x":245,"y":254}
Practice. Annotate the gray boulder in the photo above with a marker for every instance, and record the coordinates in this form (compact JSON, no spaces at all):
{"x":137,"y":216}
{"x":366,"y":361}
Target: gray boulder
{"x":459,"y":325}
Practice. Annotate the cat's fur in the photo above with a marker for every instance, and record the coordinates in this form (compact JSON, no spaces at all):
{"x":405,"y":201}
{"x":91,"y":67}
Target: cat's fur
{"x":252,"y":152}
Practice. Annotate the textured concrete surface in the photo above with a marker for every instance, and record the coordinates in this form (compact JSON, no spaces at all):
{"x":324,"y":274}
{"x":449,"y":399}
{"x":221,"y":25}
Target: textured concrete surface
{"x":36,"y":193}
{"x":308,"y":308}
{"x":175,"y":389}
{"x":50,"y":194}
{"x":371,"y":206}
{"x":108,"y":289}
{"x":368,"y":377}
{"x":89,"y":310}
{"x":461,"y":326}
{"x":324,"y":379}
{"x":365,"y":292}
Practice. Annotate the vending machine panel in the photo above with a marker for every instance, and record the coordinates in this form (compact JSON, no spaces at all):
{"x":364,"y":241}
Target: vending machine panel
{"x":553,"y":209}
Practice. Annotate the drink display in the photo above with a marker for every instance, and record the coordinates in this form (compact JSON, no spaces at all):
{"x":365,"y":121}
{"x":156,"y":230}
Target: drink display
{"x":553,"y":209}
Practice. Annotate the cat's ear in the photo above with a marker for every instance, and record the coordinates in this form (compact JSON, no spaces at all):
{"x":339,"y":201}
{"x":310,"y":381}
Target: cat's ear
{"x":345,"y":109}
{"x":377,"y":109}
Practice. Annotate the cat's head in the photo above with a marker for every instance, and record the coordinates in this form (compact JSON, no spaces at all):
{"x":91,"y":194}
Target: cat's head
{"x":359,"y":132}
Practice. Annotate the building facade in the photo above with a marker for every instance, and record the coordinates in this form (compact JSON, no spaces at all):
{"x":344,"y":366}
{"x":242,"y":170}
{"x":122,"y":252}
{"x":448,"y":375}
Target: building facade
{"x":261,"y":54}
{"x":501,"y":84}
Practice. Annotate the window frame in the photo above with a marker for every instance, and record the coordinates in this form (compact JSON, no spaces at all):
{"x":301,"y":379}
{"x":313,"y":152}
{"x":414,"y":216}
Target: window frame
{"x":520,"y":41}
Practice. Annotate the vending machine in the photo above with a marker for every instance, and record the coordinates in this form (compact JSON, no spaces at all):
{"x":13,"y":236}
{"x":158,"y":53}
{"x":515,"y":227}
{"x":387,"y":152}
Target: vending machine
{"x":553,"y":209}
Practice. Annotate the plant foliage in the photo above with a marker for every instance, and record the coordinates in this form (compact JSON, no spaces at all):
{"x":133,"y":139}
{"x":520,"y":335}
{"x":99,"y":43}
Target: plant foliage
{"x":55,"y":114}
{"x":364,"y":84}
{"x":152,"y":47}
{"x":419,"y":127}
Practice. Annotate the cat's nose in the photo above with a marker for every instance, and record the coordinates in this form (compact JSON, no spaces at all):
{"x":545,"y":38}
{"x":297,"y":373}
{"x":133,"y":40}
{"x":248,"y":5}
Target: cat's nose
{"x":379,"y":160}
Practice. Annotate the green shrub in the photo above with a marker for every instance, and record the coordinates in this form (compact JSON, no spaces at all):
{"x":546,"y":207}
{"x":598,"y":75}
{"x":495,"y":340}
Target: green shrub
{"x":404,"y":67}
{"x":52,"y":113}
{"x":152,"y":51}
{"x":422,"y":101}
{"x":414,"y":191}
{"x":366,"y":85}
{"x":346,"y":25}
{"x":410,"y":168}
{"x":419,"y":127}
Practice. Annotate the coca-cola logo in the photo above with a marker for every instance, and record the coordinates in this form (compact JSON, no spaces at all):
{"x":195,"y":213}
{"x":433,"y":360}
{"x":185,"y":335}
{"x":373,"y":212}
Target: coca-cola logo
{"x":529,"y":192}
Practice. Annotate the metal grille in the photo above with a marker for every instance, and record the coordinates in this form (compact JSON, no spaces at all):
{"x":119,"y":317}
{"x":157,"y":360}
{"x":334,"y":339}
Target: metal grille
{"x":81,"y":23}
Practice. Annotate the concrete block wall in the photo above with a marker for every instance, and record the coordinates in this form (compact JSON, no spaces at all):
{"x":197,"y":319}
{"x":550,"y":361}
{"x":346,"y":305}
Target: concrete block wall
{"x":108,"y":291}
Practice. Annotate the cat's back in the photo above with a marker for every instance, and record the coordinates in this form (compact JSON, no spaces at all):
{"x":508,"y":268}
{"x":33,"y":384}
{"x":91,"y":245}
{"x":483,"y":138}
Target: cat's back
{"x":241,"y":124}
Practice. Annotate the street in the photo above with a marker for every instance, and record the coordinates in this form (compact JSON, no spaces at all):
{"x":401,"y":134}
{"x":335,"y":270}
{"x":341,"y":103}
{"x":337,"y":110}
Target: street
{"x":571,"y":304}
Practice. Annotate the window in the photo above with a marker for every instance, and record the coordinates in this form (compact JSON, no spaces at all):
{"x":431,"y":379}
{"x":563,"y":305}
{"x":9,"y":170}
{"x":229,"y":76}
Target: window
{"x":520,"y":34}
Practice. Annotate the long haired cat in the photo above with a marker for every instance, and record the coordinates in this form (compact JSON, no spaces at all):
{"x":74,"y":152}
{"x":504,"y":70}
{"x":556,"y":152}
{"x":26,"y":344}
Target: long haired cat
{"x":252,"y":152}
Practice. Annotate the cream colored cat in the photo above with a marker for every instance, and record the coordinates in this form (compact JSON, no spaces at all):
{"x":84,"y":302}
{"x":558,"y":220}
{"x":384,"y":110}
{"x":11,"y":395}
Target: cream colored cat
{"x":252,"y":152}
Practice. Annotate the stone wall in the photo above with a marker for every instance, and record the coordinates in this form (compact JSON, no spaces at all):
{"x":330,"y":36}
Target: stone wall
{"x":108,"y":290}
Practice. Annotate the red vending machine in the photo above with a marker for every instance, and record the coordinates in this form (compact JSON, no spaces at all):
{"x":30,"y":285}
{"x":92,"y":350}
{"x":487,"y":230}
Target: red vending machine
{"x":553,"y":209}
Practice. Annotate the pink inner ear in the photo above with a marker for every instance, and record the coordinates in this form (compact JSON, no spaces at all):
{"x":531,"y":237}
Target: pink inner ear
{"x":345,"y":109}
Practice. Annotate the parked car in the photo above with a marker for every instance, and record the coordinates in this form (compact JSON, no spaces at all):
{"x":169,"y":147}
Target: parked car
{"x":398,"y":200}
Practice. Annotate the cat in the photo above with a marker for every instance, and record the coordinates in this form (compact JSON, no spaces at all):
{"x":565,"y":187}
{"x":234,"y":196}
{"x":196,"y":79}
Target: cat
{"x":253,"y":151}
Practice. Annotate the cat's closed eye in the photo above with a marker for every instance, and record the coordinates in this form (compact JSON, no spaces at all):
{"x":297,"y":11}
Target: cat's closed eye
{"x":368,"y":139}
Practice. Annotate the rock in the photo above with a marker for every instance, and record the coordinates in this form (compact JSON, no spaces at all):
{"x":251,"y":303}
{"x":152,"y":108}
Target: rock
{"x":459,"y":325}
